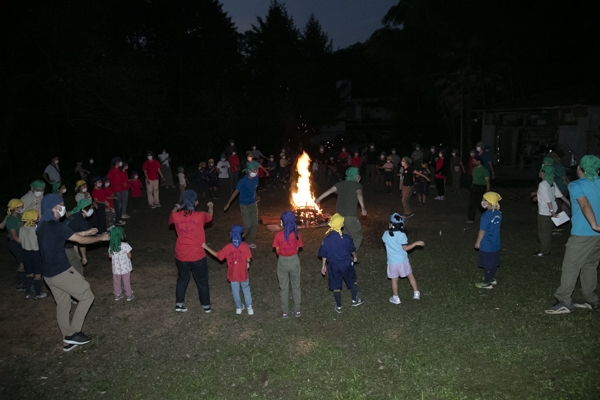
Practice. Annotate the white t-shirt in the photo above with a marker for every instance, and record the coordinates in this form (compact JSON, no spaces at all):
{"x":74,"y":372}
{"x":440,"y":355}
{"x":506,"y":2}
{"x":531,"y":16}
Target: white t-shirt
{"x":223,"y":167}
{"x":121,"y":264}
{"x":53,"y":173}
{"x":181,"y":178}
{"x":547,"y":194}
{"x":164,"y":159}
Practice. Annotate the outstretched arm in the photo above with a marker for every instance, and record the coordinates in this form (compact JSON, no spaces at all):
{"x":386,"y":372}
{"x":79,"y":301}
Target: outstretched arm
{"x":89,"y":239}
{"x":331,"y":190}
{"x":409,"y":247}
{"x":233,"y":196}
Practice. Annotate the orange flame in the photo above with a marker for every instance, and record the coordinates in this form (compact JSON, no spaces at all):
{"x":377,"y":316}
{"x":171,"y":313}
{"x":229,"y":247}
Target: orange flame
{"x":303,"y":197}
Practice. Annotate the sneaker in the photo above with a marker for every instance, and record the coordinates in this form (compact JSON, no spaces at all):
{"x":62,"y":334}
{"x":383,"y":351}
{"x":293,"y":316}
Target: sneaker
{"x":285,"y":315}
{"x":561,"y":308}
{"x":470,"y":222}
{"x":395,"y":300}
{"x":119,"y":296}
{"x":238,"y":311}
{"x":125,"y":216}
{"x":297,"y":314}
{"x":494,"y":281}
{"x":437,"y":198}
{"x":40,"y":296}
{"x":152,"y":206}
{"x":180,"y":308}
{"x":252,"y":245}
{"x":416,"y":295}
{"x":77,"y":338}
{"x":157,"y":205}
{"x":129,"y":298}
{"x":409,"y":215}
{"x":120,"y":223}
{"x":69,"y":347}
{"x":250,"y":311}
{"x":538,"y":254}
{"x":442,"y":197}
{"x":482,"y":285}
{"x":21,"y":288}
{"x":338,"y":309}
{"x":357,"y":302}
{"x":587,"y":305}
{"x":207,"y":309}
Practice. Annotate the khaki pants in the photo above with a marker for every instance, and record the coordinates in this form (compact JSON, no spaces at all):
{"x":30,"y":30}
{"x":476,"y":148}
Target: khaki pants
{"x":63,"y":286}
{"x":152,"y":191}
{"x":406,"y":193}
{"x":250,"y":221}
{"x":545,"y":226}
{"x":581,"y":261}
{"x":353,"y":228}
{"x":288,"y":270}
{"x":74,"y":260}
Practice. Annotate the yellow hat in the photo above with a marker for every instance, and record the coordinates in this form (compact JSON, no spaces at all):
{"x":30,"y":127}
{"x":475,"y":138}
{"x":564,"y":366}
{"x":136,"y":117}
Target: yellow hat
{"x":79,"y":184}
{"x":336,"y":223}
{"x":30,"y":217}
{"x":493,"y":198}
{"x":14,"y":203}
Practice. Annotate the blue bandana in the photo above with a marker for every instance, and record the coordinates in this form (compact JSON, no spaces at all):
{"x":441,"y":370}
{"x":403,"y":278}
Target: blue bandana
{"x":188,"y":199}
{"x":289,"y":224}
{"x":236,"y":235}
{"x":48,"y":203}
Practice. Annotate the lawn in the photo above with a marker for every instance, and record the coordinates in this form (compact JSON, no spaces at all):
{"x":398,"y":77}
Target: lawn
{"x":457,"y":342}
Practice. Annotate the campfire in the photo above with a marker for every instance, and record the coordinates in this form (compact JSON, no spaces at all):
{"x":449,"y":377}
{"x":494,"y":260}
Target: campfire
{"x":308,"y":213}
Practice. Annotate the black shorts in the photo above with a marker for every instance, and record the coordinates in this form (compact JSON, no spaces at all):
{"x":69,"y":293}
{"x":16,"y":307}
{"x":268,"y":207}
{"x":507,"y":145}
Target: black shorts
{"x":32,"y":261}
{"x":338,"y":273}
{"x":489,"y":259}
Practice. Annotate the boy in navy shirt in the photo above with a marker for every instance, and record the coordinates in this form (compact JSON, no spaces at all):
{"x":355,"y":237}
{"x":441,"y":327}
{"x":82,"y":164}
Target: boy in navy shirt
{"x":488,"y":240}
{"x":246,"y":188}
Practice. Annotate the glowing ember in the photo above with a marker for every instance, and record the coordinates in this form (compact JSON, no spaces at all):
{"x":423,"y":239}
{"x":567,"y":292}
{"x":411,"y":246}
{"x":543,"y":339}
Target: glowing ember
{"x":303,"y":197}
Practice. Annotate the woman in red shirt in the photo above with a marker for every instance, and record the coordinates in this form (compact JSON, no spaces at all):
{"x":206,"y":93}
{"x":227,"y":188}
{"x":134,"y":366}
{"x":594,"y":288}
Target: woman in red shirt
{"x":100,"y":199}
{"x":114,"y":175}
{"x":190,"y":256}
{"x":124,"y":190}
{"x":441,"y":168}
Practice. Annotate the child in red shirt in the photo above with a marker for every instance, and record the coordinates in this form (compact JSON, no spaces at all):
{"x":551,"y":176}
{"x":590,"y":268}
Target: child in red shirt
{"x":136,"y":190}
{"x":100,"y":199}
{"x":238,"y":256}
{"x":286,"y":243}
{"x":356,"y":161}
{"x":110,"y":199}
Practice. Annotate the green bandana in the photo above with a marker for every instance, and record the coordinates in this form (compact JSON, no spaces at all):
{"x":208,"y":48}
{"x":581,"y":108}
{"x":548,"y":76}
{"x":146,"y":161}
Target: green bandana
{"x":55,"y":187}
{"x":38,"y":184}
{"x":351,"y":173}
{"x":590,"y":166}
{"x":81,"y":204}
{"x":548,"y":160}
{"x":548,"y":174}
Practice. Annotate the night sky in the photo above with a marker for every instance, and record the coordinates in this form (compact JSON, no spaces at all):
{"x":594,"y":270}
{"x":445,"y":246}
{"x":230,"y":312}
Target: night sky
{"x":345,"y":21}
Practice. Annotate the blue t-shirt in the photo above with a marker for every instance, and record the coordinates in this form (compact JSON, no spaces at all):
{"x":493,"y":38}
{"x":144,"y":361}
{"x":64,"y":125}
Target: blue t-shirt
{"x":338,"y":250}
{"x":247,"y":188}
{"x":486,"y":159}
{"x":591,"y":190}
{"x":52,"y":236}
{"x":490,"y":222}
{"x":393,"y":247}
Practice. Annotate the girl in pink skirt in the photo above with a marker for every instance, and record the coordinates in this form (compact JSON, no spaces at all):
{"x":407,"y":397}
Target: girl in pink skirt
{"x":396,"y":246}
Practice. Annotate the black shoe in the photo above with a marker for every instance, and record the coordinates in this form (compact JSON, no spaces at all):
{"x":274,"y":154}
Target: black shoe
{"x":78,"y":338}
{"x":207,"y":309}
{"x":69,"y":347}
{"x":180,"y":308}
{"x":21,"y":288}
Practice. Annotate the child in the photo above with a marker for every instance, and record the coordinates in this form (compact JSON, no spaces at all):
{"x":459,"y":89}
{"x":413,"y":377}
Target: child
{"x":356,"y":161}
{"x":183,"y":181}
{"x":119,"y":251}
{"x":283,"y":168}
{"x":13,"y":228}
{"x":213,"y":179}
{"x":488,"y":240}
{"x":136,"y":191}
{"x":124,"y":190}
{"x":422,"y":186}
{"x":388,"y":170}
{"x":223,"y":168}
{"x":396,"y":247}
{"x":287,"y":243}
{"x":110,"y":197}
{"x":339,"y":252}
{"x":202,"y":179}
{"x":100,"y":199}
{"x":31,"y":255}
{"x":238,"y":256}
{"x":272,"y":168}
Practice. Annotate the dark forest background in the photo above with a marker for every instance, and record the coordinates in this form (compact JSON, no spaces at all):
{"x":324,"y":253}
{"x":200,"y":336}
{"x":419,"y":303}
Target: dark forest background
{"x":83,"y":79}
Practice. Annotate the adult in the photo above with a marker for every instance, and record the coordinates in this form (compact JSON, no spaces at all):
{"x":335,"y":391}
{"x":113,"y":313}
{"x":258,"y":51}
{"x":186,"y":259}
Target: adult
{"x":408,"y":180}
{"x":83,"y":173}
{"x":349,"y":196}
{"x":190,"y":256}
{"x":431,"y":159}
{"x":125,"y":190}
{"x":114,"y":175}
{"x":321,"y":160}
{"x":583,"y":247}
{"x":396,"y":161}
{"x":257,"y":154}
{"x":231,"y":149}
{"x":223,"y":168}
{"x":62,"y":279}
{"x":468,"y":169}
{"x":480,"y":185}
{"x":234,"y":169}
{"x":246,"y":188}
{"x":417,"y":155}
{"x":371,"y":157}
{"x":151,"y":168}
{"x":441,"y":173}
{"x":165,"y":169}
{"x":77,"y":221}
{"x":32,"y":200}
{"x":456,"y":170}
{"x":486,"y":159}
{"x":52,"y":172}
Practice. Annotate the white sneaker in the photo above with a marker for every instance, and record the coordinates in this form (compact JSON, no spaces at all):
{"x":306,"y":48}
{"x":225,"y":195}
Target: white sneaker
{"x":238,"y":311}
{"x":437,"y":198}
{"x":252,"y":245}
{"x":250,"y":311}
{"x":442,"y":197}
{"x":416,"y":295}
{"x":125,"y":216}
{"x":395,"y":300}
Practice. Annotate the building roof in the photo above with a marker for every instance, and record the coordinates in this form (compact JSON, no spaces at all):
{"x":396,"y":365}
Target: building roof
{"x":568,"y":98}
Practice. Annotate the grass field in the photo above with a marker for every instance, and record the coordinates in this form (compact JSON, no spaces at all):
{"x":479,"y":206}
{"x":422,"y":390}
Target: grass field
{"x":457,"y":342}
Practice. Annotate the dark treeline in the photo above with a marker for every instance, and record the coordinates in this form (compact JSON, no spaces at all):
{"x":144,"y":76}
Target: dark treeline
{"x":119,"y":77}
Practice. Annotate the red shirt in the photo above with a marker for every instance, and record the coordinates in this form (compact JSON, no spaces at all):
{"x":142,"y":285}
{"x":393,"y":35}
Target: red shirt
{"x":151,"y":167}
{"x":136,"y":187}
{"x":343,"y":157}
{"x":234,"y":163}
{"x":108,"y":192}
{"x":114,"y":175}
{"x":98,"y":195}
{"x":190,"y":234}
{"x":261,"y":173}
{"x":438,"y":167}
{"x":288,"y":248}
{"x":356,"y":162}
{"x":237,"y":270}
{"x":124,"y":181}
